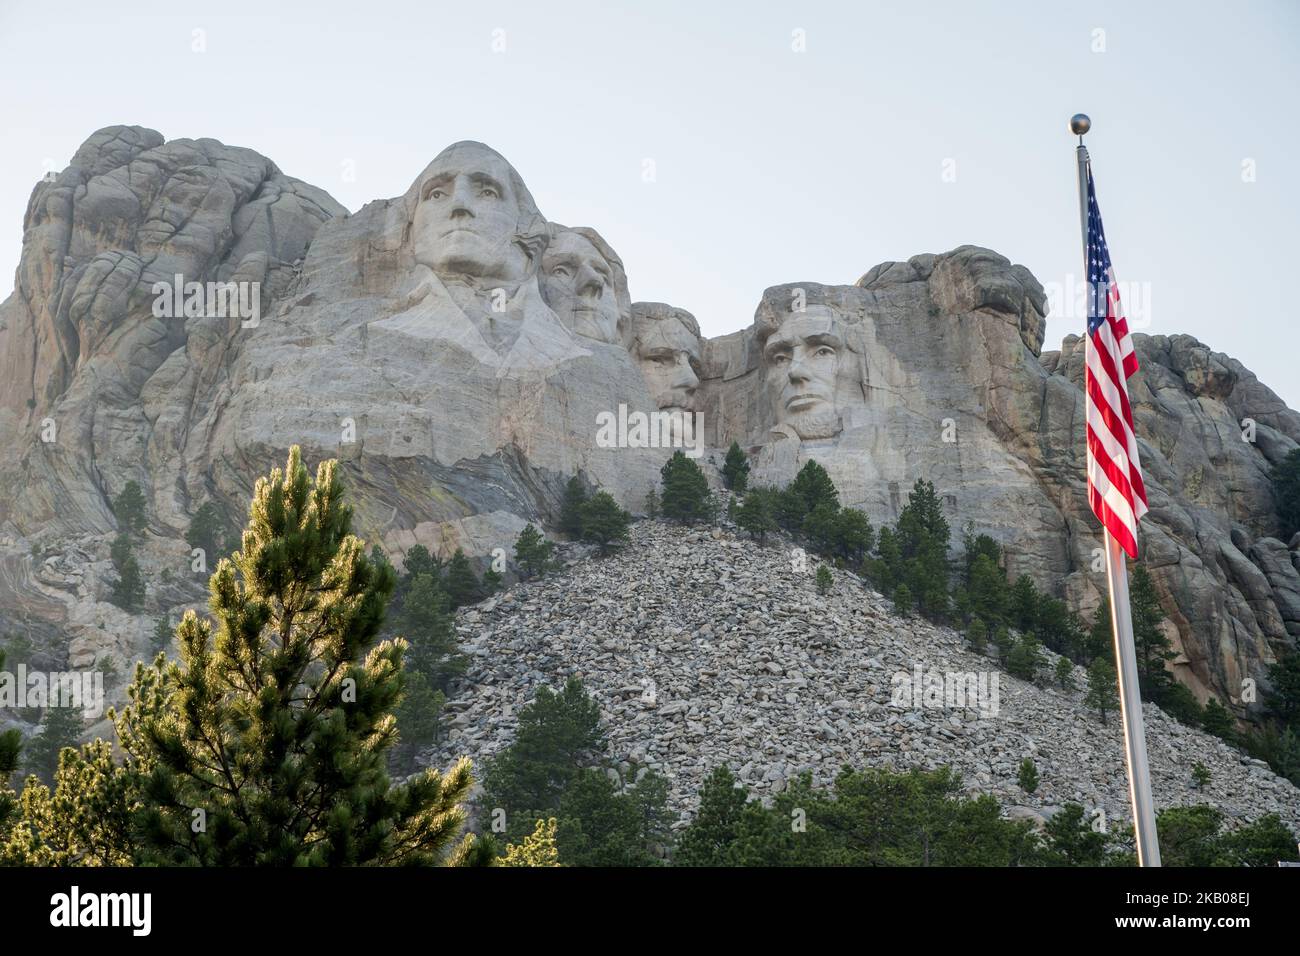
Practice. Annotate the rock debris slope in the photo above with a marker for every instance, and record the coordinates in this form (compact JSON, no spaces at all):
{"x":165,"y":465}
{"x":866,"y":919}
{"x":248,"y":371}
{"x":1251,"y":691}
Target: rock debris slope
{"x":750,"y":667}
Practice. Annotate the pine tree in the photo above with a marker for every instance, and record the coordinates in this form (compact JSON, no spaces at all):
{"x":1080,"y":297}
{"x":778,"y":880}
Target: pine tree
{"x":162,"y":634}
{"x":1217,"y":719}
{"x":1200,"y":775}
{"x":536,"y":849}
{"x":824,"y":579}
{"x":978,"y":634}
{"x":418,"y":561}
{"x":1153,"y":648}
{"x":492,"y":580}
{"x":821,"y":528}
{"x":575,"y":495}
{"x":428,"y":627}
{"x":533,"y":552}
{"x":419,"y":721}
{"x":60,"y":727}
{"x":1025,"y":658}
{"x":652,"y":504}
{"x":686,"y":490}
{"x":1023,"y":604}
{"x":755,"y":514}
{"x":128,"y":508}
{"x":1284,"y":701}
{"x":854,"y":535}
{"x":735,"y":469}
{"x":462,"y":585}
{"x":207,"y":530}
{"x":128,"y":590}
{"x":1100,"y":641}
{"x":1286,"y":490}
{"x":266,"y":743}
{"x":987,"y":592}
{"x":718,"y":823}
{"x":922,"y":536}
{"x":903,"y":600}
{"x":1065,"y":673}
{"x":1103,"y":693}
{"x":1028,"y":776}
{"x":603,"y":521}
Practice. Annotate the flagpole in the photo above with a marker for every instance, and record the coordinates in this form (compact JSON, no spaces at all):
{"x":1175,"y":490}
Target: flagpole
{"x":1121,"y":620}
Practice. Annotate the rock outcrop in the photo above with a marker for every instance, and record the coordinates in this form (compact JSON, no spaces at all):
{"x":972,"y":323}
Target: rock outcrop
{"x":464,"y":356}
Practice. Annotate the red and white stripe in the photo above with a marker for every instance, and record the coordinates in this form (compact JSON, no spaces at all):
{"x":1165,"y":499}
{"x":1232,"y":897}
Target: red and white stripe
{"x":1115,"y":488}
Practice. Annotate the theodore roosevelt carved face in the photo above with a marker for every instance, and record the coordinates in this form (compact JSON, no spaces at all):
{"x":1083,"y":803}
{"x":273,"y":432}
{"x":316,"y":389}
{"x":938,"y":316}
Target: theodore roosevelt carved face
{"x":666,"y":344}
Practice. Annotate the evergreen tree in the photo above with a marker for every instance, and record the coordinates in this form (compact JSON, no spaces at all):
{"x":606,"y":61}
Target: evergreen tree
{"x":1103,"y":694}
{"x":128,"y":590}
{"x":1217,"y":719}
{"x":128,"y":508}
{"x":597,"y":825}
{"x":463,"y":586}
{"x":1005,"y":642}
{"x":1071,"y":840}
{"x":536,"y":849}
{"x":492,"y":580}
{"x":903,"y":600}
{"x":987,"y":592}
{"x":686,"y":490}
{"x":1065,"y":673}
{"x":603,"y":521}
{"x":718,"y":824}
{"x":162,"y":634}
{"x":974,"y":545}
{"x":854,"y":536}
{"x":1181,"y":704}
{"x":60,"y":727}
{"x":824,"y":579}
{"x":735,"y":469}
{"x":207,"y":530}
{"x":1284,"y":701}
{"x":755,"y":513}
{"x":1023,"y":604}
{"x":1286,"y":490}
{"x":427,"y":624}
{"x":1100,"y":641}
{"x":1028,"y":775}
{"x":1200,"y":775}
{"x":533,"y":552}
{"x":1025,"y":658}
{"x":652,"y":507}
{"x":821,"y":527}
{"x":1153,"y":648}
{"x":922,"y":532}
{"x":978,"y":635}
{"x":419,"y":721}
{"x":418,"y":561}
{"x":813,"y":487}
{"x":575,"y":495}
{"x":266,"y":743}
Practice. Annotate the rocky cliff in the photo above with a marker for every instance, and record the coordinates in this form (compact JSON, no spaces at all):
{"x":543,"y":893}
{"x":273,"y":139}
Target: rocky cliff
{"x":463,"y":355}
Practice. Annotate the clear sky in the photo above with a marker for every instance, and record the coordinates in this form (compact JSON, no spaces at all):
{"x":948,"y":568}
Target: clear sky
{"x":900,"y":127}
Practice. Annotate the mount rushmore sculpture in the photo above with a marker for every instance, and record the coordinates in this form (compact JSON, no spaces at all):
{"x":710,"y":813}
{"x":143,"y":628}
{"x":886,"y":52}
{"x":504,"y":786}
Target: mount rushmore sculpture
{"x":458,"y":352}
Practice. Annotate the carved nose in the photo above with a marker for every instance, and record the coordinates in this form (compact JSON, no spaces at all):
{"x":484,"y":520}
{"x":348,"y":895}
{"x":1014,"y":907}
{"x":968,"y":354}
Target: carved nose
{"x":686,"y":378}
{"x":590,"y":284}
{"x":460,"y":204}
{"x":797,"y":374}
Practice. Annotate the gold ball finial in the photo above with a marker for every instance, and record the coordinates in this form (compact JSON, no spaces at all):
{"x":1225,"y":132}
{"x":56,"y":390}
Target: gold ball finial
{"x":1080,"y":124}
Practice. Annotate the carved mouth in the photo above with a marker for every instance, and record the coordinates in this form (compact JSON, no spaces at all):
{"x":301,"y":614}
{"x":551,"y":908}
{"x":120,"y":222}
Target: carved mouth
{"x":803,"y":402}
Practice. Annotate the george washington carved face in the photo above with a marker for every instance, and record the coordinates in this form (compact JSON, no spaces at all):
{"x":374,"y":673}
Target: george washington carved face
{"x":474,"y":217}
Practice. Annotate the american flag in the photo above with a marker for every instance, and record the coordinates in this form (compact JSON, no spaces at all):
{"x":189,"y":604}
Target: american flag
{"x":1115,"y":488}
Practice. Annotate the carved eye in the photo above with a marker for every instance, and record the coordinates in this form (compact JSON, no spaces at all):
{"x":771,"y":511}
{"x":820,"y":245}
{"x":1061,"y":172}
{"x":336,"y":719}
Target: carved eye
{"x":780,"y":358}
{"x":489,"y":192}
{"x":824,"y":351}
{"x":437,"y":192}
{"x":561,"y":271}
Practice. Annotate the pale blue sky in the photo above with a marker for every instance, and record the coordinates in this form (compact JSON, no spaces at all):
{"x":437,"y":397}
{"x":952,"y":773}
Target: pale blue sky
{"x":770,"y":165}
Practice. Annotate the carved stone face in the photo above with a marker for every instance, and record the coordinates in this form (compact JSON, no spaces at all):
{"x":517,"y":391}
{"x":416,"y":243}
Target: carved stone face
{"x":468,"y":216}
{"x":669,"y":355}
{"x":578,"y":284}
{"x":802,"y":360}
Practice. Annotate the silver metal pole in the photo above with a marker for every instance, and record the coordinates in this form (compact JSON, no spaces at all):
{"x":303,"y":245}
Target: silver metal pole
{"x":1121,"y":619}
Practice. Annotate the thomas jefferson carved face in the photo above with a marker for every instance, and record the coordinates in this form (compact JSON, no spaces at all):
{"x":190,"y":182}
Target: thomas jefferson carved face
{"x":579,"y":284}
{"x":469,"y":216}
{"x":667,"y":347}
{"x":802,"y":360}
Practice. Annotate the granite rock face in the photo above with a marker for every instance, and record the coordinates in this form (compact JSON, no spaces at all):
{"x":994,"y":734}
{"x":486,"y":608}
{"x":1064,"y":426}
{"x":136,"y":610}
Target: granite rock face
{"x":463,"y":356}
